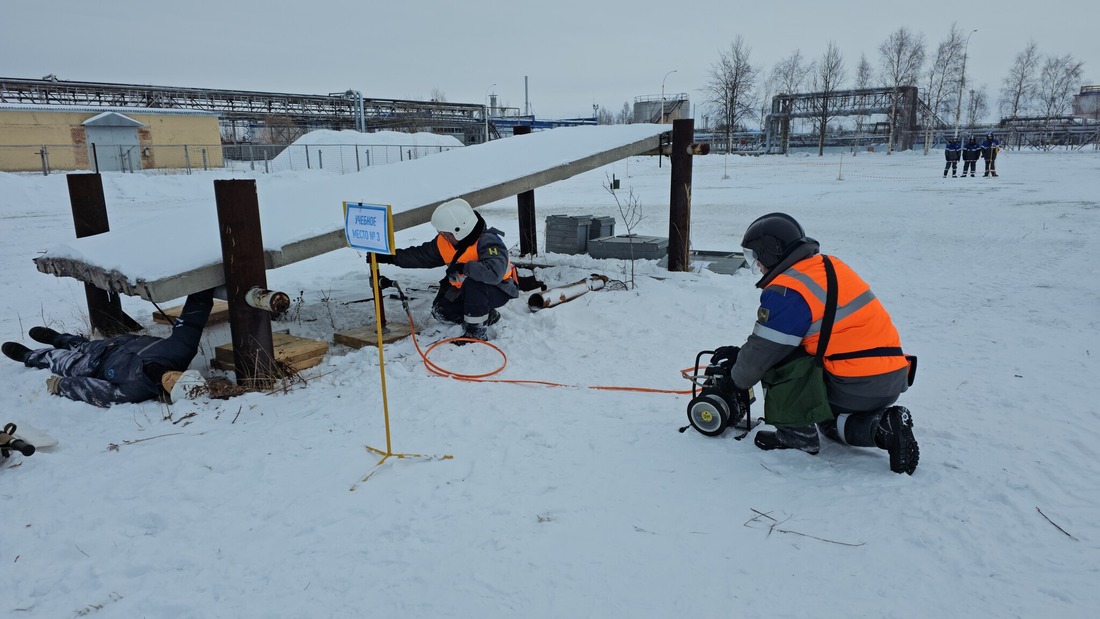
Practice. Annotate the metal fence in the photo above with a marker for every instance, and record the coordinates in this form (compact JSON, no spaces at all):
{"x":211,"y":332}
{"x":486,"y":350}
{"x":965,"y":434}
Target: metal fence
{"x":186,"y":158}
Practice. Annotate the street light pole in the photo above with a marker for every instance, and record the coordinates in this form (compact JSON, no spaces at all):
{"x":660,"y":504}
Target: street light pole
{"x":962,"y":83}
{"x":485,"y":113}
{"x":663,"y":94}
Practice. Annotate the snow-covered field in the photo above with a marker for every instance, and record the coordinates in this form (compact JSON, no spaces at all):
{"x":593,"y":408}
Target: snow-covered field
{"x":568,"y":501}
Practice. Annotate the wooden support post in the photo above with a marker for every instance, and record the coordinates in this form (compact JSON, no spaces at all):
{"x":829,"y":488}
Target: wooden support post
{"x":243,"y":261}
{"x":90,"y":218}
{"x":528,"y":243}
{"x":679,"y":207}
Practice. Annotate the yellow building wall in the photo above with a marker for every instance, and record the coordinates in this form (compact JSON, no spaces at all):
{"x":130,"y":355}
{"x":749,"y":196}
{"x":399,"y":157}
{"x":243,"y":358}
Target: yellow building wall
{"x":23,"y":133}
{"x":163,"y":139}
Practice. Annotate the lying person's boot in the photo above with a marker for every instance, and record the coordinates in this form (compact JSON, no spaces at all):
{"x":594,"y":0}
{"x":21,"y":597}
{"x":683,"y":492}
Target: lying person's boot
{"x":44,"y":335}
{"x":895,"y":435}
{"x":15,"y":351}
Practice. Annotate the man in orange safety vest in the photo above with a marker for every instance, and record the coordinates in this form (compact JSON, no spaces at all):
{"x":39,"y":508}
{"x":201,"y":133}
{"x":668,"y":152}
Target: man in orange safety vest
{"x":479,"y":279}
{"x":863,"y":366}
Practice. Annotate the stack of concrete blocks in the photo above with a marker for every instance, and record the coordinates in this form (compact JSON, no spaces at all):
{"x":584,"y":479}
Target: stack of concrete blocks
{"x":571,"y":234}
{"x":629,"y":247}
{"x":567,"y":234}
{"x":601,"y":227}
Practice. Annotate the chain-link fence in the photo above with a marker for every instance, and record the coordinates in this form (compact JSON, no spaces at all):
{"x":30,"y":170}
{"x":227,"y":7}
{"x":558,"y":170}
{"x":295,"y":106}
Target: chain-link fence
{"x":185,"y":158}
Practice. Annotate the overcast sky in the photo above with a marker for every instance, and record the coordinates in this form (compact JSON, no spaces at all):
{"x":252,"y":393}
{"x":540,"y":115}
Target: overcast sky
{"x":574,"y":53}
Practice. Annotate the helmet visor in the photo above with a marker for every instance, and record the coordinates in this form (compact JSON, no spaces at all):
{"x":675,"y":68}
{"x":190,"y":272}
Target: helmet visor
{"x":751,"y":260}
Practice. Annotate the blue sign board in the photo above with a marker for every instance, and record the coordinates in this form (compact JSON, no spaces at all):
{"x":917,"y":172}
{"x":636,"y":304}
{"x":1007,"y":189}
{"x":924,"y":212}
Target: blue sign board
{"x":369,"y":227}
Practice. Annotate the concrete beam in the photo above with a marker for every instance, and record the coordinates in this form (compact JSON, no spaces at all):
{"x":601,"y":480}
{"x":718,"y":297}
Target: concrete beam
{"x":211,"y":275}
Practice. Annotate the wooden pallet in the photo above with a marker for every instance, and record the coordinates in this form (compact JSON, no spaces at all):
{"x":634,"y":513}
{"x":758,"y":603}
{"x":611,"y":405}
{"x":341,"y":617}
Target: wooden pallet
{"x":219,"y":313}
{"x":298,"y":352}
{"x":368,"y":335}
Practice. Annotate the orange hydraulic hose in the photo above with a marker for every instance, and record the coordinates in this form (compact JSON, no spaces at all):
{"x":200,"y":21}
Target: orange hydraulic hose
{"x":484,"y":378}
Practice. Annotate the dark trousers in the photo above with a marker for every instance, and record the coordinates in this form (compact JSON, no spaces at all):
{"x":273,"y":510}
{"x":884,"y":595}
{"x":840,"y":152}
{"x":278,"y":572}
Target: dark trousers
{"x":75,"y":355}
{"x":473,"y":299}
{"x":71,"y":357}
{"x":969,"y":166}
{"x":951,"y":165}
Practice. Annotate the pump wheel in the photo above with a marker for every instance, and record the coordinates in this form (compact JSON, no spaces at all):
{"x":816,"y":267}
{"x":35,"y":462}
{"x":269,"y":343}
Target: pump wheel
{"x":708,"y":413}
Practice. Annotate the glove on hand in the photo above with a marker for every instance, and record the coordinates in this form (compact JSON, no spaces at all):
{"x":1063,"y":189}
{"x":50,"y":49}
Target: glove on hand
{"x":456,"y":273}
{"x":386,"y":258}
{"x":53,"y":385}
{"x":725,"y":357}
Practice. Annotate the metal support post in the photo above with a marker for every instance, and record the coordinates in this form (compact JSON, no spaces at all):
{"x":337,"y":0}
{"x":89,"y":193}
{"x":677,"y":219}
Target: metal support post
{"x":679,"y":208}
{"x":243,"y":260}
{"x":90,"y":218}
{"x":528,"y":241}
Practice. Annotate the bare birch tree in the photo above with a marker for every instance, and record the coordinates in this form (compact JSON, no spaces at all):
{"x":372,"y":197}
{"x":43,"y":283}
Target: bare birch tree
{"x":1058,"y":79}
{"x":902,"y":55}
{"x":788,"y":77}
{"x":626,"y":115}
{"x":764,"y":104}
{"x":977,"y":106}
{"x":1018,"y":88}
{"x":829,"y":75}
{"x":864,"y":76}
{"x":942,"y":82}
{"x":732,"y":86}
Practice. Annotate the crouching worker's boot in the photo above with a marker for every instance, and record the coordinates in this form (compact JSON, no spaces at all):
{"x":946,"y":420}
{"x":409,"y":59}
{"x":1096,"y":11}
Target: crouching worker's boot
{"x":803,"y":438}
{"x":895,"y":435}
{"x":475,"y":328}
{"x":15,"y":351}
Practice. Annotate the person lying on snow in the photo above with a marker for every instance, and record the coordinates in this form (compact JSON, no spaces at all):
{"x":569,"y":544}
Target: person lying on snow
{"x":124,"y":368}
{"x":479,"y":279}
{"x":863,"y":367}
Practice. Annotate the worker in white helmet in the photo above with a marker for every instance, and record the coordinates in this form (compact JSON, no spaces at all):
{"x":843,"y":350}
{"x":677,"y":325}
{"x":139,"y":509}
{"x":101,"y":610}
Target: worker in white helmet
{"x":480,"y":278}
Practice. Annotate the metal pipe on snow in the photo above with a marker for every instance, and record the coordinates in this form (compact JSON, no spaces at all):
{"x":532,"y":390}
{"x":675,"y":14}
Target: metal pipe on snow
{"x":568,"y":292}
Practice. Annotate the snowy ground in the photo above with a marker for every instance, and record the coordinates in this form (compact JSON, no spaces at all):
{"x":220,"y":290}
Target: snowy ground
{"x":567,"y":501}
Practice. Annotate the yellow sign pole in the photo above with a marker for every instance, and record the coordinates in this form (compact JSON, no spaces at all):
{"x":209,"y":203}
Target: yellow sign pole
{"x":381,"y":355}
{"x":363,"y":232}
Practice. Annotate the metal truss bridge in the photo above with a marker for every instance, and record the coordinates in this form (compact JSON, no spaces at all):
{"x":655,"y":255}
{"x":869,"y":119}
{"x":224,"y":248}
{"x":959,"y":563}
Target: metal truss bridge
{"x":282,"y":112}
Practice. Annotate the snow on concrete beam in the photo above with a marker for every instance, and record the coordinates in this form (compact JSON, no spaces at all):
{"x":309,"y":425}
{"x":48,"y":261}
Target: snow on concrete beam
{"x":303,"y":218}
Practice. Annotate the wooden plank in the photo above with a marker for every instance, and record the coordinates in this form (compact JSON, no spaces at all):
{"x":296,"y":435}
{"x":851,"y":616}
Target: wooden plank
{"x":297,"y":366}
{"x":290,"y":349}
{"x":219,"y":313}
{"x":368,"y":335}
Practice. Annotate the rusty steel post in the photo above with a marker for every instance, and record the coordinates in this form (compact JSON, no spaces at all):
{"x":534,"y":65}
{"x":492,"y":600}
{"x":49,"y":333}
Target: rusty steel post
{"x":528,"y":243}
{"x":243,"y":261}
{"x":89,"y":219}
{"x":679,"y":207}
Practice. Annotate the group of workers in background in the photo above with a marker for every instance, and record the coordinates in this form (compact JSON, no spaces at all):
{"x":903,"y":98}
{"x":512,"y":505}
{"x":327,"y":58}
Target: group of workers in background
{"x":970,"y":153}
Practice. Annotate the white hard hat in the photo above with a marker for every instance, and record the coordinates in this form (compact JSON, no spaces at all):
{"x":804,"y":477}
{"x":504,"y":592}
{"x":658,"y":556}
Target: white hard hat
{"x":455,"y":216}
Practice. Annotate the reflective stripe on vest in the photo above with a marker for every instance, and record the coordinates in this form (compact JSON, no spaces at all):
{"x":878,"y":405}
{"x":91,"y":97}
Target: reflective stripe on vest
{"x":862,"y":323}
{"x":470,"y":255}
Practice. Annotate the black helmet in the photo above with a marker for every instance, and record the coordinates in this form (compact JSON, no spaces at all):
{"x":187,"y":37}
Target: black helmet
{"x":772,"y":237}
